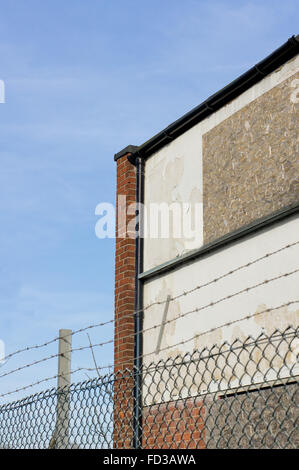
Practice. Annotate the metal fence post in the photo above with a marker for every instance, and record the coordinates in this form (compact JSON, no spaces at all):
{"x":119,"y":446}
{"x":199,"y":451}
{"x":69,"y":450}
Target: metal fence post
{"x":63,"y":384}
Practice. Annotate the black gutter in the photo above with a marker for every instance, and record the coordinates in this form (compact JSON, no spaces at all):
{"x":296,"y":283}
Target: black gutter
{"x":263,"y":68}
{"x":219,"y":243}
{"x":138,"y":319}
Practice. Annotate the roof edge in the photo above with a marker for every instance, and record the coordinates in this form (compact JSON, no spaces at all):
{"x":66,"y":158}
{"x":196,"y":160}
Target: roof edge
{"x":255,"y":74}
{"x":124,"y":151}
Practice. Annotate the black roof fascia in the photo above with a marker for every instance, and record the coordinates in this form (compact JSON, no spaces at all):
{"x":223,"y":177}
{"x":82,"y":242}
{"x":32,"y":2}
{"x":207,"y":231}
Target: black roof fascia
{"x":128,"y":149}
{"x":216,"y":101}
{"x":220,"y":243}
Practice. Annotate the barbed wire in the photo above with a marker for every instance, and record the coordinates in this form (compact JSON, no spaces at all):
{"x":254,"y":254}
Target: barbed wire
{"x":261,"y":339}
{"x":211,"y":330}
{"x":79,"y":369}
{"x":169,"y":299}
{"x":196,"y":336}
{"x":211,"y":304}
{"x":26,"y":366}
{"x":216,"y":279}
{"x":47,"y":379}
{"x":198,"y":287}
{"x":57,"y":338}
{"x":109,"y":366}
{"x":176,"y":318}
{"x":163,"y":323}
{"x":223,"y":380}
{"x":31,"y":364}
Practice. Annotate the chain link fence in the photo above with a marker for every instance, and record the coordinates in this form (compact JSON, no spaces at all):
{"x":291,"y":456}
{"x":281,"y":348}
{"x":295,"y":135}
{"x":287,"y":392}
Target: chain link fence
{"x":239,"y":395}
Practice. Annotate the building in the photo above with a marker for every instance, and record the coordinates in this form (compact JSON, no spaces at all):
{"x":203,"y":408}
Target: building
{"x":233,"y":161}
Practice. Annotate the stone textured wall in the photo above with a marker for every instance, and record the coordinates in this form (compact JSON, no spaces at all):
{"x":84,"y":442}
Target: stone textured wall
{"x":264,"y":418}
{"x":250,"y":162}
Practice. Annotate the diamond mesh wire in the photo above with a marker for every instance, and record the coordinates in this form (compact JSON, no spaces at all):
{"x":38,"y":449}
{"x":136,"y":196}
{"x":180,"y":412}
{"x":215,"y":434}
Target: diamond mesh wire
{"x":239,"y":395}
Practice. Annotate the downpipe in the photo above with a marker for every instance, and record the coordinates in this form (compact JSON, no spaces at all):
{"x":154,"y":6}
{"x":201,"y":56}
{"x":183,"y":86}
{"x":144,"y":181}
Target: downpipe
{"x":138,"y":318}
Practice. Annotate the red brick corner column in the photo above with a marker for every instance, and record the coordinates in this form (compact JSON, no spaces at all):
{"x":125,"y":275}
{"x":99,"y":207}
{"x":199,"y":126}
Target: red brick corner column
{"x":124,"y":303}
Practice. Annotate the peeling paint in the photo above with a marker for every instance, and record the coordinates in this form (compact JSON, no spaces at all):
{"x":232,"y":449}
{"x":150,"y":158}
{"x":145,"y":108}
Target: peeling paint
{"x":242,"y":163}
{"x":280,"y":318}
{"x":214,"y":337}
{"x":245,"y":311}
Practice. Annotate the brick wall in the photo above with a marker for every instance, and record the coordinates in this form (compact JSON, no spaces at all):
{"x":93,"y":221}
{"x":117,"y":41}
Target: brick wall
{"x":124,"y":268}
{"x":124,"y":305}
{"x":174,"y":425}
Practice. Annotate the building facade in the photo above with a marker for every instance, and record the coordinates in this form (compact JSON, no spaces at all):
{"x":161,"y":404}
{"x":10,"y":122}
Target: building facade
{"x":214,"y":259}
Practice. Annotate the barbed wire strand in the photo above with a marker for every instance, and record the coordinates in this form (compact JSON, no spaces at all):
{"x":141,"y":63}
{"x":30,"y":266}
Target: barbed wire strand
{"x":247,"y":317}
{"x":57,"y":338}
{"x":170,"y":299}
{"x":166,"y":322}
{"x":211,"y":330}
{"x":154,"y":366}
{"x":197,"y":309}
{"x":99,"y":368}
{"x":211,"y":304}
{"x":228,"y":273}
{"x":26,"y":366}
{"x":178,"y":317}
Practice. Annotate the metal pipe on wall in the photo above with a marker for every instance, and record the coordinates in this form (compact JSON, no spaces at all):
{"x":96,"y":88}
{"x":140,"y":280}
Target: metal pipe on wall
{"x":138,"y":318}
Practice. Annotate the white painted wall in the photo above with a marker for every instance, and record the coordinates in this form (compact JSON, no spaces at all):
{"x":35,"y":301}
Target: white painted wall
{"x":211,"y":266}
{"x":174,"y":173}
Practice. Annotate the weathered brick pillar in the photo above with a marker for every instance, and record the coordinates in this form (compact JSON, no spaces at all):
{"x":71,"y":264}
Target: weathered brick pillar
{"x":124,"y":302}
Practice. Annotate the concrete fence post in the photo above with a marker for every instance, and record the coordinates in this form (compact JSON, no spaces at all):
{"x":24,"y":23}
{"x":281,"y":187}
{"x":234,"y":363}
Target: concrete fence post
{"x":63,"y":394}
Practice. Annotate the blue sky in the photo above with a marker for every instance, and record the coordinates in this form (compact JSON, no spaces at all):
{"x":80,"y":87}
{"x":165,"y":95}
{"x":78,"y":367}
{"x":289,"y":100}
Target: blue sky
{"x":83,"y":80}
